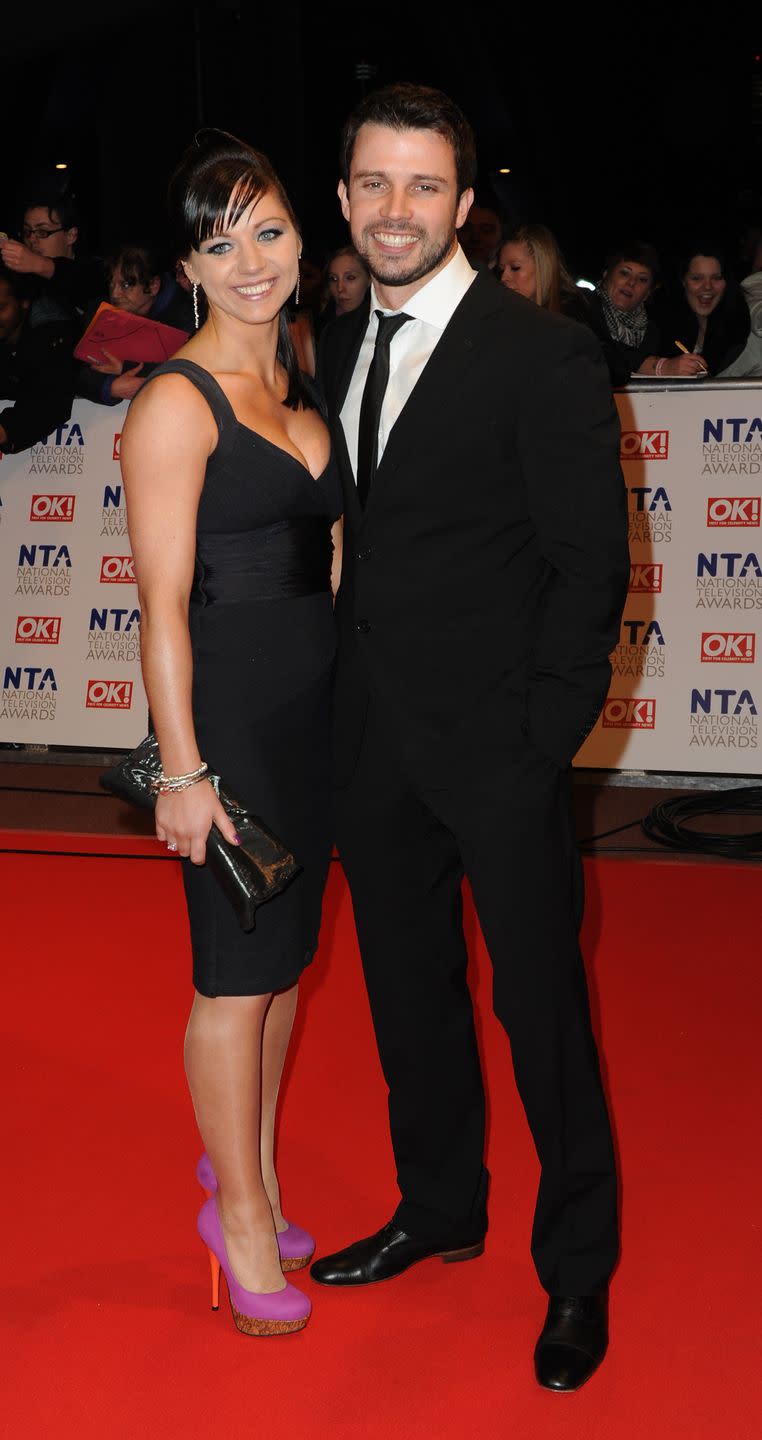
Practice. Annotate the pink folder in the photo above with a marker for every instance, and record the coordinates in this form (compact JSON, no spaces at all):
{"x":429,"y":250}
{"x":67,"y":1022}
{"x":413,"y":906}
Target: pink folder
{"x":129,"y":337}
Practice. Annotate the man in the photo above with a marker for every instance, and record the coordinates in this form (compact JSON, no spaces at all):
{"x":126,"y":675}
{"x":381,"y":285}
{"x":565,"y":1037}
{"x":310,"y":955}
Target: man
{"x":138,"y":285}
{"x":480,"y":236}
{"x":36,"y":371}
{"x":46,"y":252}
{"x":485,"y":571}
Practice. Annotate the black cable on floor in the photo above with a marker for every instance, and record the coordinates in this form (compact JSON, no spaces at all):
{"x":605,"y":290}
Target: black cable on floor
{"x":604,"y":834}
{"x":665,"y":823}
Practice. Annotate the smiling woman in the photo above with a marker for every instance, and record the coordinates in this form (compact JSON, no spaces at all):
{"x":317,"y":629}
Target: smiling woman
{"x":622,"y":319}
{"x":708,"y":313}
{"x":232,"y":503}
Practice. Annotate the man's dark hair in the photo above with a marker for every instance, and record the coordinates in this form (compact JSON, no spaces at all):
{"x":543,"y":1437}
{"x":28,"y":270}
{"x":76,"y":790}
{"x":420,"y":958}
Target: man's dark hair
{"x":50,"y":199}
{"x":413,"y":107}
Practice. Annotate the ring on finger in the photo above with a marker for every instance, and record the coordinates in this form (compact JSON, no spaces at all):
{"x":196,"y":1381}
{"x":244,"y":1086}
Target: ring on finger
{"x":171,"y":844}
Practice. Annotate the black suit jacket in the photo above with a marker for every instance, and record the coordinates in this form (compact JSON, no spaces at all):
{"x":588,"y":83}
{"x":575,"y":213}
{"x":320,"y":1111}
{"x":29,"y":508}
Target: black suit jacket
{"x":483,"y":584}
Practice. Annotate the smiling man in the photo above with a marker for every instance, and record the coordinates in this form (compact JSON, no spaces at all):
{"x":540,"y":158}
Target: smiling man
{"x":484,"y":575}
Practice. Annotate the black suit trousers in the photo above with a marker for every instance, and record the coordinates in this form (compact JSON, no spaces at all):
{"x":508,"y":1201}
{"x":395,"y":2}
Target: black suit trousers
{"x":504,"y":822}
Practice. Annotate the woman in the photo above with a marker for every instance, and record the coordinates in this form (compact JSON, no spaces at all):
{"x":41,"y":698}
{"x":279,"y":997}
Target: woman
{"x":530,"y":262}
{"x":345,"y":284}
{"x":622,"y":320}
{"x":137,"y":285}
{"x":709,"y":317}
{"x":231,"y":500}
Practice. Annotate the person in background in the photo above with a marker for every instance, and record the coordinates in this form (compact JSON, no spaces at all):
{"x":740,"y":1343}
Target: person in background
{"x":345,"y":285}
{"x":479,"y":236}
{"x":530,"y":262}
{"x":748,"y":365}
{"x":138,"y":285}
{"x":621,"y":317}
{"x":36,"y":368}
{"x":346,"y":280}
{"x":709,"y":316}
{"x":46,"y":251}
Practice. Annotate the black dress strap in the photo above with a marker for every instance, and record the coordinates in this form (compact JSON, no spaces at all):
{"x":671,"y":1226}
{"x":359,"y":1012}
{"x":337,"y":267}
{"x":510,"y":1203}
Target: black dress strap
{"x":221,"y":408}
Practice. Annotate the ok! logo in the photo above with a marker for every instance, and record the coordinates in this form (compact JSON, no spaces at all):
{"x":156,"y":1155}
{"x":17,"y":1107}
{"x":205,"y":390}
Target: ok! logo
{"x":117,"y":570}
{"x":38,"y":629}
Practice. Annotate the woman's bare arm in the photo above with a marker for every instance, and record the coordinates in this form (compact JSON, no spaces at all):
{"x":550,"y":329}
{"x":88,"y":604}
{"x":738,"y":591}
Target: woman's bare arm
{"x":166,"y":442}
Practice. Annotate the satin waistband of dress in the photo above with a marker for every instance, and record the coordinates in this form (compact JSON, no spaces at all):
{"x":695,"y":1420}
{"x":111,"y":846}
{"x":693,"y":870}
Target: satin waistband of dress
{"x":273,"y":562}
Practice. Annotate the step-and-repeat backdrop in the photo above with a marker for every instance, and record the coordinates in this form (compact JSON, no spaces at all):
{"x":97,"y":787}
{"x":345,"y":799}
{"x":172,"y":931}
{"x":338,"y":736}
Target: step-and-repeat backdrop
{"x":69,"y":617}
{"x":687,"y":680}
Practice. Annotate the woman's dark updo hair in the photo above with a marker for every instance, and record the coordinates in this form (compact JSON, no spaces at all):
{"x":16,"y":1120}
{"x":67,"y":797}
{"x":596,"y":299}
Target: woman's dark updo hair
{"x":216,"y":181}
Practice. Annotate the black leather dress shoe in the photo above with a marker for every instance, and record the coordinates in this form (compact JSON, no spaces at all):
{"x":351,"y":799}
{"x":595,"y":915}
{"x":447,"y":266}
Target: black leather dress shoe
{"x":386,"y":1254}
{"x":572,"y":1342}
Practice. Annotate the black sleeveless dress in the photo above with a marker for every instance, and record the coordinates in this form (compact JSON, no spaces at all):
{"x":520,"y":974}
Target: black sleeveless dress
{"x":263,"y":640}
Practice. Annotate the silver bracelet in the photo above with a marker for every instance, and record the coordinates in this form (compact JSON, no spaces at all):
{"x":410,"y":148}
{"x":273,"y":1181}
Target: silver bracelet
{"x":170,"y":784}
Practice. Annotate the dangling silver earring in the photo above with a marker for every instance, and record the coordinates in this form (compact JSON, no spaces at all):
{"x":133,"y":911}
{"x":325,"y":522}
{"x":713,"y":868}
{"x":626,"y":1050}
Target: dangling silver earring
{"x":296,"y":296}
{"x":195,"y":304}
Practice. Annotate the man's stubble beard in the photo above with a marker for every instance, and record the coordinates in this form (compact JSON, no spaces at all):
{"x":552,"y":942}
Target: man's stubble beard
{"x":429,"y":257}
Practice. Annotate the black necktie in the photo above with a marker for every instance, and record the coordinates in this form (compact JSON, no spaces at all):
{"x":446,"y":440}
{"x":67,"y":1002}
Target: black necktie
{"x":372,"y":400}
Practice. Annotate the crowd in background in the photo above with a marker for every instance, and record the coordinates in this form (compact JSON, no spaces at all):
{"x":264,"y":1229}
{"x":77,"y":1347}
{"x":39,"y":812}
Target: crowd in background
{"x":692,"y":321}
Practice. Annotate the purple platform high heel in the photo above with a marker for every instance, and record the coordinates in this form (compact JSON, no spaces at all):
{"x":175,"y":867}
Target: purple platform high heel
{"x":295,"y":1245}
{"x":279,"y":1313}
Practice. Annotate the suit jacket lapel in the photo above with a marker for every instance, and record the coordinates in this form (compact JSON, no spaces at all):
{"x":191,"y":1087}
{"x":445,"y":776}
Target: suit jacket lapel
{"x":354,"y":338}
{"x":336,"y":384}
{"x":428,"y":399}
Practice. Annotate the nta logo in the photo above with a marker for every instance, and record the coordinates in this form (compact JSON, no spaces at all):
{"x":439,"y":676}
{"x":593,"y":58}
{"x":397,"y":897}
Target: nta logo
{"x":38,"y":629}
{"x":728,"y":647}
{"x":724,"y":565}
{"x":52,"y":507}
{"x":731,"y":702}
{"x":644,"y":445}
{"x":44,"y":556}
{"x":117,"y":570}
{"x":645,"y":579}
{"x":109,"y":694}
{"x":626,"y":713}
{"x":741,"y":430}
{"x":34,"y":678}
{"x":732,"y":510}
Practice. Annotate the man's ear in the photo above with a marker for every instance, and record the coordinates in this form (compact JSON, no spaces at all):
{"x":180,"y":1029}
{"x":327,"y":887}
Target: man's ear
{"x":343,"y":199}
{"x":464,"y":205}
{"x":72,"y":235}
{"x":155,"y":285}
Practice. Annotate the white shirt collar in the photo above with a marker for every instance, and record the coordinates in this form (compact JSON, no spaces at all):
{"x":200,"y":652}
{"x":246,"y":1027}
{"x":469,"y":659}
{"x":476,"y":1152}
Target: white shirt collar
{"x":437,"y":300}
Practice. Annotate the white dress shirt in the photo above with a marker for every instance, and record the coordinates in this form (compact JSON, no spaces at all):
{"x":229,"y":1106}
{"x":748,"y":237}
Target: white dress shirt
{"x":430,"y":309}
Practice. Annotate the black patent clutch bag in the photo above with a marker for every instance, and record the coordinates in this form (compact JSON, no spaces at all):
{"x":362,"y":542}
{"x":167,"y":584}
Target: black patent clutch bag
{"x":249,"y":873}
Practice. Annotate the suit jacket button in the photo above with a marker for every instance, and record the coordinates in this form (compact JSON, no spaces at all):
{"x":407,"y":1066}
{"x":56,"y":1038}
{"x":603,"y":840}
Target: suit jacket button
{"x":363,"y":626}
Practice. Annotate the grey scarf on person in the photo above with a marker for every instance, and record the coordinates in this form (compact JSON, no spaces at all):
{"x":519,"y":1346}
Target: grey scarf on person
{"x":627,"y":326}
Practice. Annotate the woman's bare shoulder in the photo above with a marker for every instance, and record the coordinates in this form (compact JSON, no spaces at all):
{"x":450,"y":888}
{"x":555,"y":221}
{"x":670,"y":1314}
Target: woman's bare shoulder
{"x":170,"y":406}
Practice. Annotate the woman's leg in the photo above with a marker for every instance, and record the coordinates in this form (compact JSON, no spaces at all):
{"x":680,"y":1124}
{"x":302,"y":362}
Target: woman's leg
{"x":223,"y":1062}
{"x":277,"y":1033}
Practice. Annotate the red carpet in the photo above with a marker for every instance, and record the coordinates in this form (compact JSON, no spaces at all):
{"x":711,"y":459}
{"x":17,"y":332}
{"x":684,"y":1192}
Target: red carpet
{"x":108,"y":1327}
